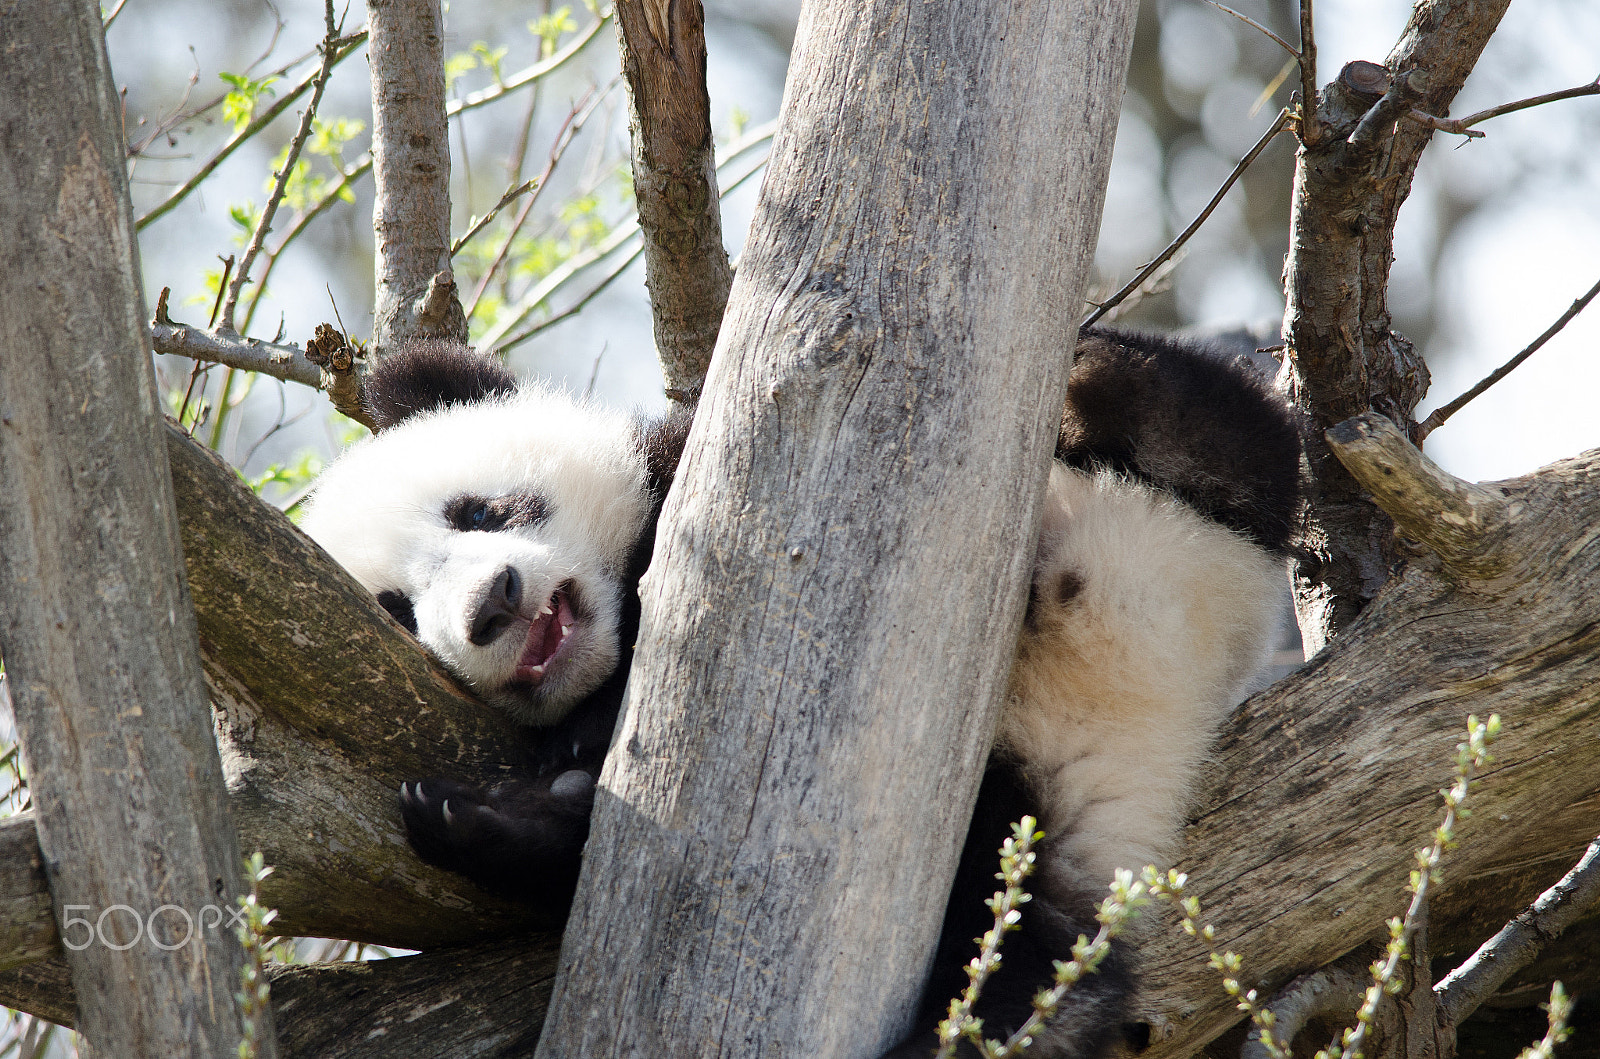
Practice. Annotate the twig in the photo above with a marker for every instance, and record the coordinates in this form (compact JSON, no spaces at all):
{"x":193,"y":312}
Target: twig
{"x":1437,"y":417}
{"x":361,"y":168}
{"x":1471,"y":756}
{"x":483,"y":222}
{"x":1560,"y":1009}
{"x":540,"y":69}
{"x":1247,"y":20}
{"x":1310,"y":127}
{"x":330,"y":56}
{"x":1519,"y":941}
{"x":564,"y":137}
{"x":1460,"y":126}
{"x":346,"y":46}
{"x":222,"y":286}
{"x":249,"y":354}
{"x":1194,"y":225}
{"x":578,"y":263}
{"x":112,"y":17}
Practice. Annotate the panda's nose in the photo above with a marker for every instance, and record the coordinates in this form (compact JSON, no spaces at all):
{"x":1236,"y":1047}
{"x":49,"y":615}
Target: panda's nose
{"x":498,"y":609}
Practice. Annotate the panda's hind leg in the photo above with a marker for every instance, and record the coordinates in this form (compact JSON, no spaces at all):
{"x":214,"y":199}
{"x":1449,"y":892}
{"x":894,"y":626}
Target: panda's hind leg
{"x":1063,"y":907}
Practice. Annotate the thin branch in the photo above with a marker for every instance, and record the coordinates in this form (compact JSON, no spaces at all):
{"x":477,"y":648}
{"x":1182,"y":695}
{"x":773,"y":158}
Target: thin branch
{"x":330,"y":56}
{"x":1460,"y":126}
{"x":1194,"y":225}
{"x":1310,"y":128}
{"x":1519,"y":941}
{"x":1437,"y":417}
{"x":538,"y":70}
{"x":250,"y":354}
{"x":483,"y":222}
{"x":569,"y":129}
{"x":112,"y":17}
{"x":361,"y":168}
{"x":1247,"y":20}
{"x":569,"y":268}
{"x":346,"y":46}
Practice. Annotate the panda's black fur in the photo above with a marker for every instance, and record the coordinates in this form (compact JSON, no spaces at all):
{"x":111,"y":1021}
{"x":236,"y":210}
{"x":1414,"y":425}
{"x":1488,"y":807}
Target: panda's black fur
{"x":485,"y":508}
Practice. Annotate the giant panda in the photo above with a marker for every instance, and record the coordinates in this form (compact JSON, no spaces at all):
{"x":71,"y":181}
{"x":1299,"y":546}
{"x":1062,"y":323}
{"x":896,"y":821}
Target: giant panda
{"x":507,"y":526}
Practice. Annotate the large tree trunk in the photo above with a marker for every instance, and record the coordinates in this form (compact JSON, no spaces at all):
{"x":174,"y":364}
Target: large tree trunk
{"x":95,"y":619}
{"x":842,"y":565}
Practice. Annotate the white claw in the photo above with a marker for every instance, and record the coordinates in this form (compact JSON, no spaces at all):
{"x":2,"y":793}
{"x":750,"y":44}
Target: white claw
{"x":449,"y":817}
{"x":405,"y":791}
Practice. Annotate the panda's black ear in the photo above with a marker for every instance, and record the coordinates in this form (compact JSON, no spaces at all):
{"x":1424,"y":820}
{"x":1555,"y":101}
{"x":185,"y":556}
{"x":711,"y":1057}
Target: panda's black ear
{"x":422,"y":374}
{"x":662,"y":442}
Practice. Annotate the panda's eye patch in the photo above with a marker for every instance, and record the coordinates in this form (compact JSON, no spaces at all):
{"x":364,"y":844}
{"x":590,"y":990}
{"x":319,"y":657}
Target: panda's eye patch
{"x":399,"y":608}
{"x":485,"y":514}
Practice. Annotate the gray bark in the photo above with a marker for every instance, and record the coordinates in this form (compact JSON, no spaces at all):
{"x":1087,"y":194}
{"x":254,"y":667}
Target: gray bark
{"x":411,"y":174}
{"x":1344,"y":358}
{"x":675,"y":184}
{"x":1325,"y":783}
{"x":842,"y":565}
{"x":96,"y":623}
{"x":474,"y":1003}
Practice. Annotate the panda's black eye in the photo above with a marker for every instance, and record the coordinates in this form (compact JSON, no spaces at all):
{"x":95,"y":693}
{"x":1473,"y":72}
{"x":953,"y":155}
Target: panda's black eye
{"x":399,"y":608}
{"x":477,"y":514}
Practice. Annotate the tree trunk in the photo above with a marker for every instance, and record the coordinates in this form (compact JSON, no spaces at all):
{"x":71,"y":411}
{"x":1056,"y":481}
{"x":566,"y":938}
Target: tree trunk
{"x":411,"y":175}
{"x":97,"y":626}
{"x":842,"y":565}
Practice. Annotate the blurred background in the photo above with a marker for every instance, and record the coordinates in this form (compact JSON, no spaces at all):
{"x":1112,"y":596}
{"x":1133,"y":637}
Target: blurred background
{"x":1499,"y":236}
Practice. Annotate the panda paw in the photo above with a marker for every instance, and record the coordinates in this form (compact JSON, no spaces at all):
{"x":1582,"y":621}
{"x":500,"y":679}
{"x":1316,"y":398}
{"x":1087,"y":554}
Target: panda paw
{"x":521,"y":840}
{"x":444,"y":819}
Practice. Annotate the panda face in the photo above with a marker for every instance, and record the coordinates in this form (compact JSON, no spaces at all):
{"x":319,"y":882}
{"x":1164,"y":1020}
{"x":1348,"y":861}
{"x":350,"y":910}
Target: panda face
{"x":499,"y":532}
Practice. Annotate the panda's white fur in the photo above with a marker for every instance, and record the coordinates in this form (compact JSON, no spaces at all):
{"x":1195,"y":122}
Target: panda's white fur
{"x":380,"y":510}
{"x":1157,"y":582}
{"x":1148,"y":623}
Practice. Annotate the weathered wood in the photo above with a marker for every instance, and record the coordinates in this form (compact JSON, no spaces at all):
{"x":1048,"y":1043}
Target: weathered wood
{"x":98,"y":630}
{"x":410,"y":174}
{"x":1344,"y":358}
{"x":324,"y":706}
{"x":481,"y":1002}
{"x":1325,"y":783}
{"x":841,"y":568}
{"x":675,"y":184}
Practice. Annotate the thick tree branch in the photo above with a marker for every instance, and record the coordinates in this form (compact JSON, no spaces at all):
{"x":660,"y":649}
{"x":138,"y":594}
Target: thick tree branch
{"x":1466,"y":525}
{"x":480,"y":1002}
{"x":411,"y":170}
{"x":1326,"y":783}
{"x":675,"y":183}
{"x":1344,"y":359}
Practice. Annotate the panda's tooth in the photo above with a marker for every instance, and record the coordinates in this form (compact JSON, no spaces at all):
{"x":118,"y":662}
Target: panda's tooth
{"x":538,"y":671}
{"x":544,"y":609}
{"x":565,"y":629}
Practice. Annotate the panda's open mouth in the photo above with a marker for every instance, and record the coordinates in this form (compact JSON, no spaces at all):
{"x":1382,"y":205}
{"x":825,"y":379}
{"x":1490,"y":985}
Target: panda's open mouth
{"x":547,"y":635}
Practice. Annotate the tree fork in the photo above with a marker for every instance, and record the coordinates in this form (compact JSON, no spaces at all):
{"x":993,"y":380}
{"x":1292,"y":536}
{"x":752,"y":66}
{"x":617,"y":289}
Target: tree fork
{"x":1343,"y":357}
